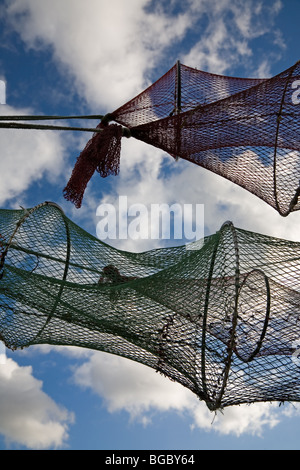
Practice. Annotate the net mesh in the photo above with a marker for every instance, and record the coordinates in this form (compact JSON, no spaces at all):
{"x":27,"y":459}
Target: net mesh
{"x":221,"y":318}
{"x":246,"y":130}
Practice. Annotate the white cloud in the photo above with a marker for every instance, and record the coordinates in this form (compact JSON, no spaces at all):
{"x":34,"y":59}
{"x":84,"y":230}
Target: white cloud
{"x":125,"y":384}
{"x":27,"y":156}
{"x":110,"y":48}
{"x":252,"y":420}
{"x":149,"y":176}
{"x":226,"y":40}
{"x":141,"y":392}
{"x":28,"y":416}
{"x":107,"y":46}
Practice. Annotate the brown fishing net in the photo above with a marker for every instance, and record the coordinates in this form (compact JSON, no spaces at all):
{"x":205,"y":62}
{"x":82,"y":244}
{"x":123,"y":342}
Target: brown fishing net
{"x":246,"y":130}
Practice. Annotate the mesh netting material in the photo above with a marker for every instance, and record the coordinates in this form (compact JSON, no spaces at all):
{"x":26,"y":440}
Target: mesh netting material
{"x":222,"y":319}
{"x":246,"y":130}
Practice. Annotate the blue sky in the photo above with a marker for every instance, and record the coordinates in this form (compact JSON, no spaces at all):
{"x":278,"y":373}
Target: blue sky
{"x":91,"y":56}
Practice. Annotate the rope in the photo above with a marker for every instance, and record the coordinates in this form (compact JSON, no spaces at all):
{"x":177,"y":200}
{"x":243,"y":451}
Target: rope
{"x":14,"y":125}
{"x":49,"y":118}
{"x":18,"y":125}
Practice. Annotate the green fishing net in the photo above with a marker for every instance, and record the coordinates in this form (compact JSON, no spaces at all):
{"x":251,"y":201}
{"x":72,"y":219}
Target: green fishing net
{"x":220,"y":317}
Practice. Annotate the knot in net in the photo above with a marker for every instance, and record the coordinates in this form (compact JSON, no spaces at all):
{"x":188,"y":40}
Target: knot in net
{"x":222,"y":320}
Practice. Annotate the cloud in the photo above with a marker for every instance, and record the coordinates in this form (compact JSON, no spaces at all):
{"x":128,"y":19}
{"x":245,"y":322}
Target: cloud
{"x":131,"y":386}
{"x":108,"y":50}
{"x":108,"y":47}
{"x":226,"y":40}
{"x":28,"y":416}
{"x":28,"y":156}
{"x":252,"y":420}
{"x":141,"y":392}
{"x":148,"y":176}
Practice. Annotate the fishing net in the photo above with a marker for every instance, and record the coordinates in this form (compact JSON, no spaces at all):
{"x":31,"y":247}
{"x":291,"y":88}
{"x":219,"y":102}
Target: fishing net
{"x":246,"y":130}
{"x":221,"y":318}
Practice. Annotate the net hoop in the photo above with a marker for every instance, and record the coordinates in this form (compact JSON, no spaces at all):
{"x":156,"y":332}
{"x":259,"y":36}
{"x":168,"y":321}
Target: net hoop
{"x":10,"y":245}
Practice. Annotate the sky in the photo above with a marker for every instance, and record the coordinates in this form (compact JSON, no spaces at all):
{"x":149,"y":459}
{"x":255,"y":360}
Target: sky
{"x":78,"y":57}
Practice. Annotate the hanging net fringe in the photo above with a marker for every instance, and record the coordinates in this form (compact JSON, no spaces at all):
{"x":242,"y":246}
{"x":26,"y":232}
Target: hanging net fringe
{"x":222,"y":320}
{"x":102,"y":153}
